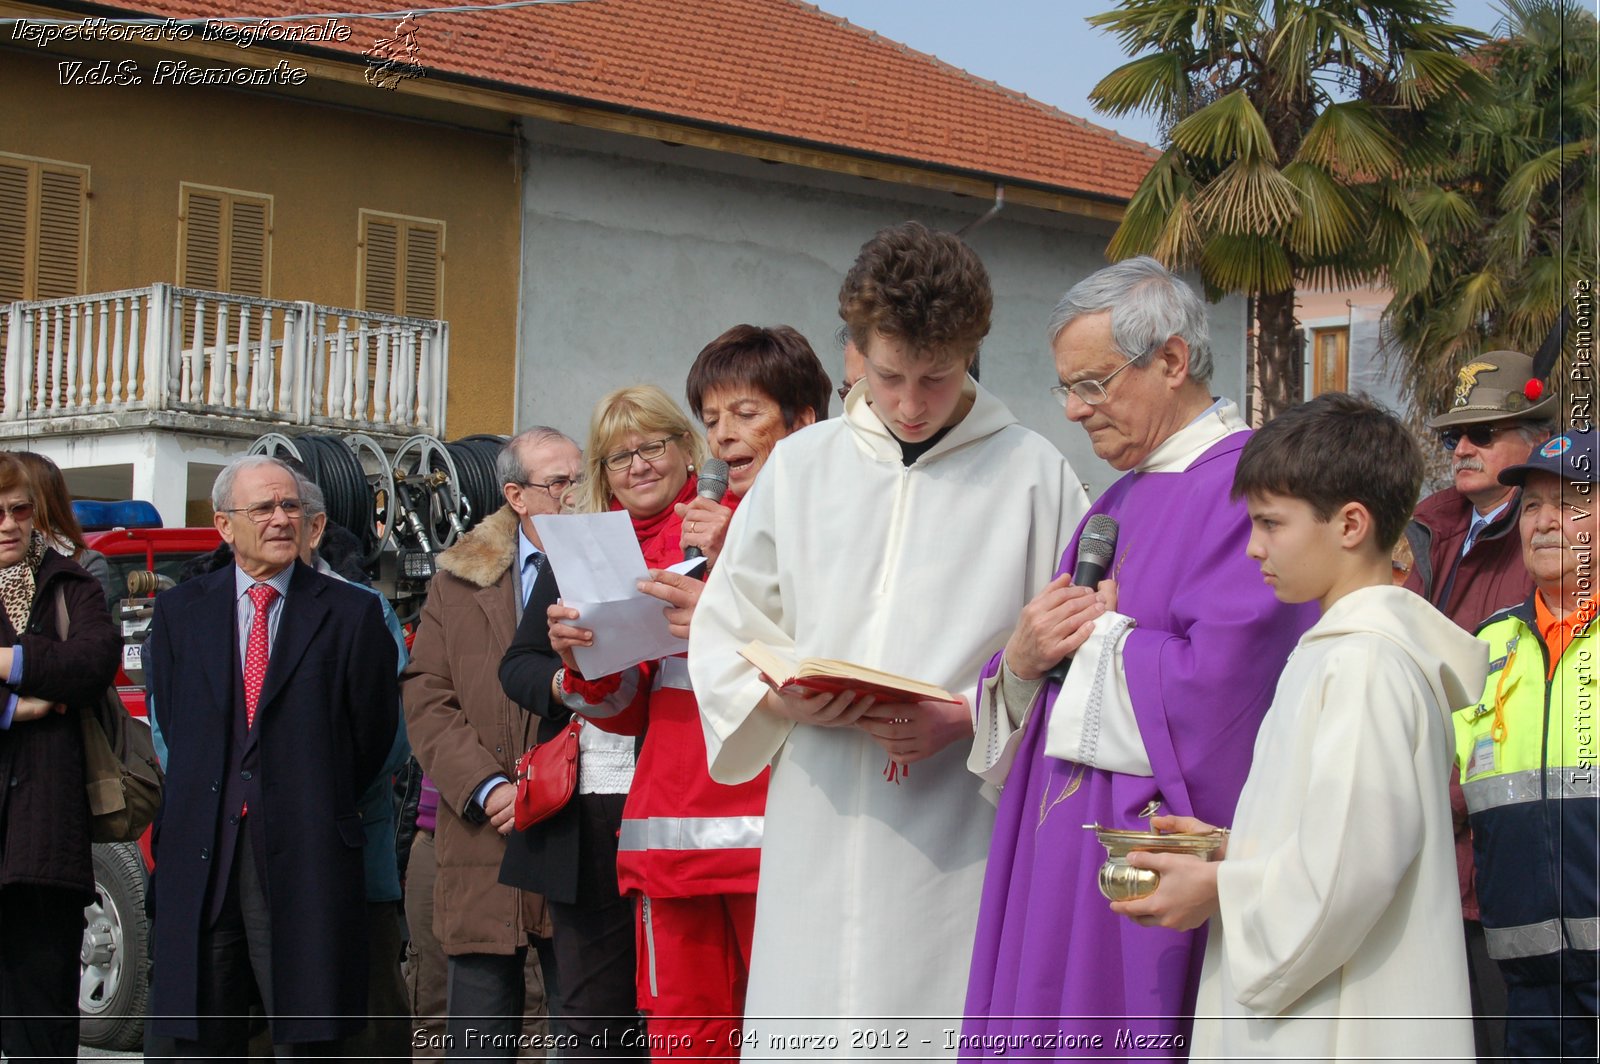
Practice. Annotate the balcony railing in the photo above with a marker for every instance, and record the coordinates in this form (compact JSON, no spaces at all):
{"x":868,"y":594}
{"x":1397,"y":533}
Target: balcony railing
{"x":166,"y":348}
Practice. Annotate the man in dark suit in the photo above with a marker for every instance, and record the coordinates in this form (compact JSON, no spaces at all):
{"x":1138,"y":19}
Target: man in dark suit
{"x":275,"y":687}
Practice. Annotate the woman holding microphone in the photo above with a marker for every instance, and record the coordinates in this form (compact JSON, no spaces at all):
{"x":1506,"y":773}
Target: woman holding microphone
{"x":686,"y":849}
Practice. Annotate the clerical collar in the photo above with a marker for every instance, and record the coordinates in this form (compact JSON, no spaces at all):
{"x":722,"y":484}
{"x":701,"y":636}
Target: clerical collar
{"x":1176,"y":452}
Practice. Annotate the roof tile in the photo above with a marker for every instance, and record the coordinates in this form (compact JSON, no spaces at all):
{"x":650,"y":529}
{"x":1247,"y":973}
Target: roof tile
{"x":765,"y":67}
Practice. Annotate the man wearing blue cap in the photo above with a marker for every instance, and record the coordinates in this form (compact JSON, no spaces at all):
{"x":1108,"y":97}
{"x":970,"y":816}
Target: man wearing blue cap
{"x":1527,"y":754}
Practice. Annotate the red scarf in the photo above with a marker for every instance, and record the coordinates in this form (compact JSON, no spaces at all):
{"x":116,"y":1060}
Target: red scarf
{"x":660,"y":535}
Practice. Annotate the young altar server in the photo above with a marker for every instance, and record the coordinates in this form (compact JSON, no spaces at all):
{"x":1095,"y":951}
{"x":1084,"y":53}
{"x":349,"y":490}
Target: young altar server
{"x":1334,"y":933}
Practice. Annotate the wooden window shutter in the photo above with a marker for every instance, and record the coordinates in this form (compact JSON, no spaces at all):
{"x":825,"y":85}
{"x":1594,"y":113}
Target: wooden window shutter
{"x":60,"y":234}
{"x":13,"y":233}
{"x":247,"y":248}
{"x":401,"y":262}
{"x":381,"y":283}
{"x":422,"y":273}
{"x":226,"y":241}
{"x":202,"y":241}
{"x":42,"y":214}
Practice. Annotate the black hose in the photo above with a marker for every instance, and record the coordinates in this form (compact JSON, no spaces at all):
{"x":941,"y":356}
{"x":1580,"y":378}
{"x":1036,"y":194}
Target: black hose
{"x":480,"y":489}
{"x":338,"y":472}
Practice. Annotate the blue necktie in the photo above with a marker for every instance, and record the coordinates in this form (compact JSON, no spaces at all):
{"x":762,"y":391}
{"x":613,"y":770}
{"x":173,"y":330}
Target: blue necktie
{"x":530,"y":574}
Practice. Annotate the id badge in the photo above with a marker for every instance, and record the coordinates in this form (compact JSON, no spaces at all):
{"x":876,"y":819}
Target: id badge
{"x":1482,"y":760}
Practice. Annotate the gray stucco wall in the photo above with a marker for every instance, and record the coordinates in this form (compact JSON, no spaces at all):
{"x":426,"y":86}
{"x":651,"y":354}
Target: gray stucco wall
{"x":636,"y":254}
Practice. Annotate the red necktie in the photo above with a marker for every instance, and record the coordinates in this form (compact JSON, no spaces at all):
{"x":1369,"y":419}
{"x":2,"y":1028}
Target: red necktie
{"x":255,"y":650}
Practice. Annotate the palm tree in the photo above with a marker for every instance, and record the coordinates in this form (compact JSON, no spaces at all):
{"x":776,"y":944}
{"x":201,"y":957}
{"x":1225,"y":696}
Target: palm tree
{"x":1292,"y":123}
{"x":1511,"y":214}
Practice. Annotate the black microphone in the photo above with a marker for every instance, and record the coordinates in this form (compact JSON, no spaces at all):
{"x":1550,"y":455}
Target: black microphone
{"x":1097,"y":543}
{"x":713,"y":485}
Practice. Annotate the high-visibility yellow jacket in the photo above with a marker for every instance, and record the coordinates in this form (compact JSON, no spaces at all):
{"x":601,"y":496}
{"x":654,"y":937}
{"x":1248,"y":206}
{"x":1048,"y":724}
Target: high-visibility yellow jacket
{"x":1527,"y":752}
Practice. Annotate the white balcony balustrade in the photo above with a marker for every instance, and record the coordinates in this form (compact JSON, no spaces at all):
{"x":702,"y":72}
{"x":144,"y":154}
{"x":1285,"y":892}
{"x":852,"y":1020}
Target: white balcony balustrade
{"x":213,"y":354}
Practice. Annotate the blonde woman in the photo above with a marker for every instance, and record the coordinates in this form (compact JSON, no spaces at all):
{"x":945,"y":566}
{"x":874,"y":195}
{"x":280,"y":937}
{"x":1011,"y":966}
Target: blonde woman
{"x":692,"y":889}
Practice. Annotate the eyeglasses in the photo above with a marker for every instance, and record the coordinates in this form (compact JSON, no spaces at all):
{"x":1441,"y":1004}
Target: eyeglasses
{"x":261,"y":512}
{"x":21,"y":513}
{"x":1092,"y":393}
{"x":556,"y":487}
{"x":1477,"y":435}
{"x":844,"y":389}
{"x":648,"y":451}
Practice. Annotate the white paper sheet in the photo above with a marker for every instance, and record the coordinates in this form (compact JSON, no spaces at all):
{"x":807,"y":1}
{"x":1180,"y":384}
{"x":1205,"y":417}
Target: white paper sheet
{"x":599,"y":565}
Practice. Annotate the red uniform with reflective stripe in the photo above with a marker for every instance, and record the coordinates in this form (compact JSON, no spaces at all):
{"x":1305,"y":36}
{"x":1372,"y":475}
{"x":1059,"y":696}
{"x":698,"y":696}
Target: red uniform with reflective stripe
{"x":689,"y":849}
{"x":683,"y":834}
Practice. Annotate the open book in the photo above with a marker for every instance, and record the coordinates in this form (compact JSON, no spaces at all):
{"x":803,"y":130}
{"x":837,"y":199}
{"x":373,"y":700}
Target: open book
{"x":823,"y":674}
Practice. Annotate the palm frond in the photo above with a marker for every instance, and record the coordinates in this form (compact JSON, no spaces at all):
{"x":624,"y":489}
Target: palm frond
{"x":1327,"y":220}
{"x":1528,"y":180}
{"x":1444,"y":212}
{"x":1472,"y":300}
{"x":1153,"y":201}
{"x":1166,"y":24}
{"x":1229,"y":128}
{"x":1155,"y":83}
{"x":1238,"y":263}
{"x":1334,"y":276}
{"x":1537,"y":295}
{"x":1509,"y":238}
{"x":1181,"y":238}
{"x":1426,"y":76}
{"x":1248,"y":197}
{"x":1351,"y":139}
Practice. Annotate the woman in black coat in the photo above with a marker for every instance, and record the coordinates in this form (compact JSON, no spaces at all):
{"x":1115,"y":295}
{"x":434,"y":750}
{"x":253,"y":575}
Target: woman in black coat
{"x":46,"y":873}
{"x":572,"y":860}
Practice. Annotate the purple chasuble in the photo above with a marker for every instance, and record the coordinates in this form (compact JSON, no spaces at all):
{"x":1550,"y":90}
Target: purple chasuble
{"x":1053,"y":968}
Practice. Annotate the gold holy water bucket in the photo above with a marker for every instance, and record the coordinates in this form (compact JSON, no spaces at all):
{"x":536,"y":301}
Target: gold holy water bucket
{"x":1120,"y":881}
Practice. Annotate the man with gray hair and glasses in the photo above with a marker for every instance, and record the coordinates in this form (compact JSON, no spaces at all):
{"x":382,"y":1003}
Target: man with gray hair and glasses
{"x":467,"y":736}
{"x":275,"y":688}
{"x":1149,"y":688}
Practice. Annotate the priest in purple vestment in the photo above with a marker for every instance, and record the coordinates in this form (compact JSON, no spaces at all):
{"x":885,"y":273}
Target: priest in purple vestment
{"x":1170,"y":665}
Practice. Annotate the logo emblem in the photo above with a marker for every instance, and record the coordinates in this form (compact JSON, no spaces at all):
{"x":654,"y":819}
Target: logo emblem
{"x":1467,"y":380}
{"x":1556,"y":447}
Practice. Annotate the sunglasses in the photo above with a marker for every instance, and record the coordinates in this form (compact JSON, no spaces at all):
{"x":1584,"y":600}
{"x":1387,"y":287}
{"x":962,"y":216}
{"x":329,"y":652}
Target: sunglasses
{"x":21,"y":513}
{"x":1477,"y":435}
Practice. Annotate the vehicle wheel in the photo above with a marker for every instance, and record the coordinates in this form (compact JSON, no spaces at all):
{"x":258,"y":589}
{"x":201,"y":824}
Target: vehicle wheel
{"x":114,"y":981}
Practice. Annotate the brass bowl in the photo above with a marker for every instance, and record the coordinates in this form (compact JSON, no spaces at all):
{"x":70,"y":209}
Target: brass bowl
{"x":1120,"y":881}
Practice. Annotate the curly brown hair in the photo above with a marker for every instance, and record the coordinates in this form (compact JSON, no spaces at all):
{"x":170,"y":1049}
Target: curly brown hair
{"x":924,"y":288}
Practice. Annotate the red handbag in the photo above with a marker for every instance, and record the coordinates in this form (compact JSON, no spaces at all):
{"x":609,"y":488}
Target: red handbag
{"x":547,"y":776}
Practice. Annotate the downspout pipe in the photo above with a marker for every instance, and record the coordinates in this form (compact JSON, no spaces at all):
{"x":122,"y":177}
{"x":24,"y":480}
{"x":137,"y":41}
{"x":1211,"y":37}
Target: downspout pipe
{"x":988,"y":215}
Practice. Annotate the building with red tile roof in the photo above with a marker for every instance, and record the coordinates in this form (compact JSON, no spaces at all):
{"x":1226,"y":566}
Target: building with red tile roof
{"x":586,"y":192}
{"x":777,"y":70}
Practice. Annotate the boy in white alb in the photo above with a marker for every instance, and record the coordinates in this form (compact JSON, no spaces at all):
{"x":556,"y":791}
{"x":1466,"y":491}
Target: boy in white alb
{"x":1334,"y":928}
